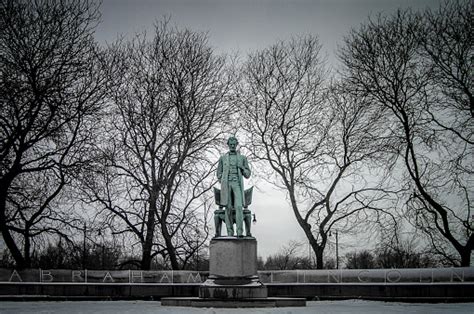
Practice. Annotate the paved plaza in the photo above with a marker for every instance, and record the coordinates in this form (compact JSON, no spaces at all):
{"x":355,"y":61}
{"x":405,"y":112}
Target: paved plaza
{"x":314,"y":307}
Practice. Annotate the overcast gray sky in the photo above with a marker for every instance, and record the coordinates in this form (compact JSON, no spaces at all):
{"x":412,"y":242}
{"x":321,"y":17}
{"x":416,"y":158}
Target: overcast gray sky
{"x":245,"y":25}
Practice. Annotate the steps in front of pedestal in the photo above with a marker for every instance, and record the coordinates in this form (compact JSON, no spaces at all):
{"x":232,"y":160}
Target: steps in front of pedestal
{"x":238,"y":303}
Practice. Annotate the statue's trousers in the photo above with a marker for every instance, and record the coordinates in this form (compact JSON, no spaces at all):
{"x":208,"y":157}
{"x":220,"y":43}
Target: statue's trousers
{"x":236,"y":191}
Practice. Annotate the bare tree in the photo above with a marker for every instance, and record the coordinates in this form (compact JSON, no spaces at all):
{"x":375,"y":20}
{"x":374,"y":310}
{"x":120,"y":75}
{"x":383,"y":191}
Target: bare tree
{"x":168,"y":112}
{"x":50,"y":89}
{"x":386,"y":61}
{"x":446,"y":42}
{"x":403,"y":254}
{"x":360,"y":260}
{"x":288,"y":257}
{"x":315,"y":139}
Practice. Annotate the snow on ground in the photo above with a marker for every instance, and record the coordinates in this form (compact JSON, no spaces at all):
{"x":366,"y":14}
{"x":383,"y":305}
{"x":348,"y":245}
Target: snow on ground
{"x":319,"y":307}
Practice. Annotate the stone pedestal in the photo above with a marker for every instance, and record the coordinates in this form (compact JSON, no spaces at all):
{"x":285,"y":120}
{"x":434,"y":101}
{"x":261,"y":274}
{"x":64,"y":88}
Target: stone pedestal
{"x":233,"y":257}
{"x":233,"y":279}
{"x":233,"y":270}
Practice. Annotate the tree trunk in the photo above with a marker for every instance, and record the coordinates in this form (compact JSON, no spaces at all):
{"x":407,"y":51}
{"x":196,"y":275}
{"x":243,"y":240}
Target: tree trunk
{"x":466,"y":258}
{"x":150,"y":231}
{"x":10,"y":243}
{"x":146,"y":257}
{"x":466,"y":252}
{"x":319,"y":258}
{"x":169,"y":247}
{"x":27,"y":247}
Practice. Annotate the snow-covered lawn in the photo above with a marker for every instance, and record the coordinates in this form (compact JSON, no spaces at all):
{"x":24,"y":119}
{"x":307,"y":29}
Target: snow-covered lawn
{"x":319,"y":307}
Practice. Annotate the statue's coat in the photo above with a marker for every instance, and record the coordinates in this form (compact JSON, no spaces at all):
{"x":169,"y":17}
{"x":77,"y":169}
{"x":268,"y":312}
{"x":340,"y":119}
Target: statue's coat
{"x":223,"y":176}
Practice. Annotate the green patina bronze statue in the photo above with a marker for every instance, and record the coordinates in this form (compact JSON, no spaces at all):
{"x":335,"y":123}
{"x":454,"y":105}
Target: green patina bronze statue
{"x":230,"y":172}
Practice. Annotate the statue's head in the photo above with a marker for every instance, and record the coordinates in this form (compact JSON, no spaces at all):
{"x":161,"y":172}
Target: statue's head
{"x":232,"y":143}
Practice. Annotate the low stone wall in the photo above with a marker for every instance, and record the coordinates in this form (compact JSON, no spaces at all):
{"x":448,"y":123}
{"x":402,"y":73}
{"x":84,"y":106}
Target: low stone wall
{"x":86,"y":291}
{"x":405,"y":275}
{"x":409,"y":292}
{"x":419,"y":292}
{"x":101,"y":276}
{"x":402,"y":275}
{"x":431,"y":285}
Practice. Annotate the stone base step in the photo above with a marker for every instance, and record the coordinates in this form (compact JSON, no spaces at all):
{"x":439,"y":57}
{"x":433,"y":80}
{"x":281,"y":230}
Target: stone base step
{"x":242,"y":303}
{"x":223,"y":289}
